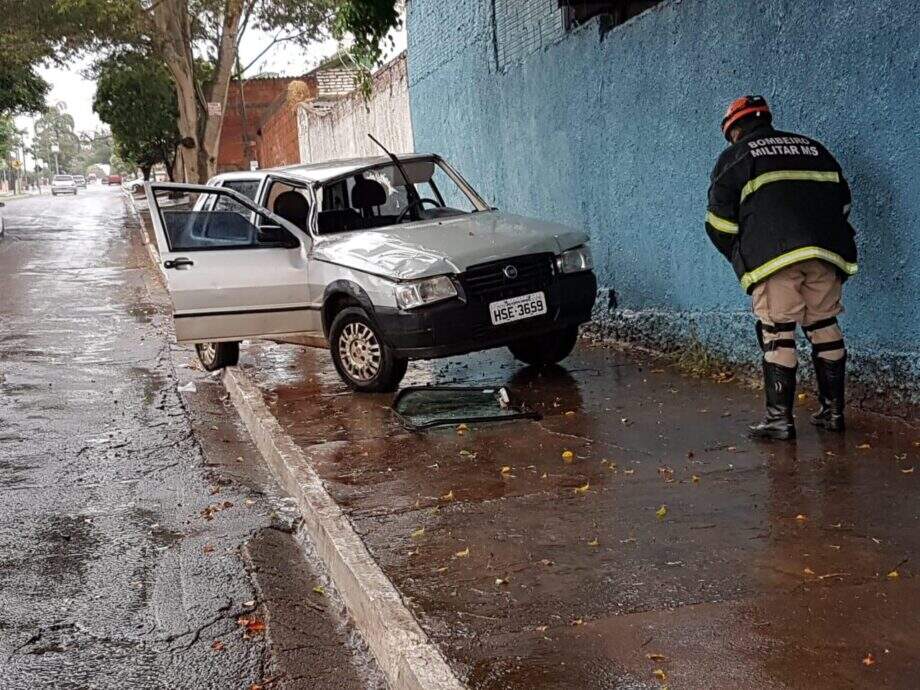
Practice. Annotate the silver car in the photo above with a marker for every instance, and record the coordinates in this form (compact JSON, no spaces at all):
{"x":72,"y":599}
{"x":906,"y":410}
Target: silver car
{"x":63,"y":184}
{"x":382,"y":260}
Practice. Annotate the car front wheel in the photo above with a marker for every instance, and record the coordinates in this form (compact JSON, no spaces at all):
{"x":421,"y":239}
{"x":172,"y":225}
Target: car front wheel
{"x":361,"y":357}
{"x":216,"y":356}
{"x":547,"y":349}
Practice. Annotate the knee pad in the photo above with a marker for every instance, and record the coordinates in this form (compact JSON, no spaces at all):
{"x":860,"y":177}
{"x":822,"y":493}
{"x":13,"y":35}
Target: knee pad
{"x":775,"y":329}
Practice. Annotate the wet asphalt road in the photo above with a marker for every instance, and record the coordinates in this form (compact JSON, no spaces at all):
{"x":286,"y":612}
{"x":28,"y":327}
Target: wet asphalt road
{"x":671,"y":550}
{"x":138,"y":533}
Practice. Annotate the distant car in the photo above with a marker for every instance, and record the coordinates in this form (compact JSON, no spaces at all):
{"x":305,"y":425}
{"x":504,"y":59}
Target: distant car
{"x":63,"y":184}
{"x":92,"y":178}
{"x":80,"y":181}
{"x":113,"y":179}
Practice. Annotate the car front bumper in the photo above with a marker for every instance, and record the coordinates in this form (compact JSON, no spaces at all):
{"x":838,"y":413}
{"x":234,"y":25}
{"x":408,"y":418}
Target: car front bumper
{"x":456,"y":327}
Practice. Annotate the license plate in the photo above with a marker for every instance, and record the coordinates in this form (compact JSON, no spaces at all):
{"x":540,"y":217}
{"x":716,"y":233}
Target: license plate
{"x":517,"y":308}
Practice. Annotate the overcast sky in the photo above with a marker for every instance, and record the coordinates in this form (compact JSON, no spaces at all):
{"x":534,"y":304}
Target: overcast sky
{"x":69,"y":86}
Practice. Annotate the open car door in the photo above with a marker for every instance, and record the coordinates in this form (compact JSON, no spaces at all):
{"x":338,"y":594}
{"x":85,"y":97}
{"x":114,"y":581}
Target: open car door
{"x":228,"y":278}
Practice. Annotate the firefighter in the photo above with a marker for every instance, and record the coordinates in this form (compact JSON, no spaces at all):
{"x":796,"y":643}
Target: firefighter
{"x":778,"y":211}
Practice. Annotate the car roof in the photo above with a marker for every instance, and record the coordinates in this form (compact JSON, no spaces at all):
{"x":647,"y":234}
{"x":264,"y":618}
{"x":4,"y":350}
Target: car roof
{"x":327,"y":170}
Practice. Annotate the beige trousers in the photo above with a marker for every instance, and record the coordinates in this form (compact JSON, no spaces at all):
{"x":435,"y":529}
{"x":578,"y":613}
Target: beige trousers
{"x":803,"y":294}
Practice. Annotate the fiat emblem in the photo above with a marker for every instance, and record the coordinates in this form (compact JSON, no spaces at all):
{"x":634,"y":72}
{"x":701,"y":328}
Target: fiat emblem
{"x":510,"y":272}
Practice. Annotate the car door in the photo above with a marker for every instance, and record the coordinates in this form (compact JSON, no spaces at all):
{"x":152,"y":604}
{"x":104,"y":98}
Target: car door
{"x":229,"y":279}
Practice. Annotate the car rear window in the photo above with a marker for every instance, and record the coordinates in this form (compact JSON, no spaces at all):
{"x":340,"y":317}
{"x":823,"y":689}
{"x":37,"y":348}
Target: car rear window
{"x":63,"y":178}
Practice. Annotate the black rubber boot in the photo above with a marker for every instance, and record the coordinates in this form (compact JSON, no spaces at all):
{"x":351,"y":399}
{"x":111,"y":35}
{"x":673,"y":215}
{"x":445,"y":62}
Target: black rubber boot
{"x":779,"y":387}
{"x":831,"y":378}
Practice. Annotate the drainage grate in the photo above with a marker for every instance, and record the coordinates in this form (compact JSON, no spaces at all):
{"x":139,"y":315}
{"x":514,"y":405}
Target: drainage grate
{"x":424,"y":407}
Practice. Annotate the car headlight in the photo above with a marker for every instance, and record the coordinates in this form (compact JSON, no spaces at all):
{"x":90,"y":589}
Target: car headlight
{"x":417,"y":293}
{"x":575,"y":260}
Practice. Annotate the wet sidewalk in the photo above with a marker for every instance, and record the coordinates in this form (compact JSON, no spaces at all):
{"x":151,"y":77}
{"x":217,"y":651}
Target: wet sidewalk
{"x":634,"y":537}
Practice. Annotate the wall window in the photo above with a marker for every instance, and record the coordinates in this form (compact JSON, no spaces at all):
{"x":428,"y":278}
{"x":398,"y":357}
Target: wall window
{"x":524,"y":26}
{"x":614,"y":12}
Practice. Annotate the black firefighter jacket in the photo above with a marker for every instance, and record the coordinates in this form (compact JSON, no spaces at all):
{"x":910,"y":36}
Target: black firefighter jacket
{"x":777,"y":199}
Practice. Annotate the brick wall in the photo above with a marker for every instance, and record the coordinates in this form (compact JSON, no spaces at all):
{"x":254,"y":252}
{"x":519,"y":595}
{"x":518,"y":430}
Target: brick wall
{"x":278,"y":141}
{"x":338,"y":129}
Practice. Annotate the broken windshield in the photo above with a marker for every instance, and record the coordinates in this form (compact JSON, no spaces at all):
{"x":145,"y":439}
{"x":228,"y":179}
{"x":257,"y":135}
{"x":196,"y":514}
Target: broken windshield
{"x":378,"y":196}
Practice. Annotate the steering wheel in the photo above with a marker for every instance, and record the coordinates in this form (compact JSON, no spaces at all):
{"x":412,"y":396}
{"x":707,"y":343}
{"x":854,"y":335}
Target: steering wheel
{"x":413,"y":204}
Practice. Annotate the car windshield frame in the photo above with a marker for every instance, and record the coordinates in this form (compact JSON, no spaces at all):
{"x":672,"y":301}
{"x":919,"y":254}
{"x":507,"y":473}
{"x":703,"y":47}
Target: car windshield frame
{"x":465,"y":187}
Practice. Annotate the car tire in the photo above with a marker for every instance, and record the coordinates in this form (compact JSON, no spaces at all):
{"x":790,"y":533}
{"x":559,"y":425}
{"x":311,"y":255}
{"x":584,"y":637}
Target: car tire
{"x":214,"y":356}
{"x":361,"y":357}
{"x":544,"y":350}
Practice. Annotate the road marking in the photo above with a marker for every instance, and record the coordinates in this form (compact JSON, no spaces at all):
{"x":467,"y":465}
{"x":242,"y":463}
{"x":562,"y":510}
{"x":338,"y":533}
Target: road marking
{"x":402,"y":649}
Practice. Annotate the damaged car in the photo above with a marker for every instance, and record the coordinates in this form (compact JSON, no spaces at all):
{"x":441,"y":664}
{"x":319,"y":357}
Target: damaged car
{"x":382,"y":260}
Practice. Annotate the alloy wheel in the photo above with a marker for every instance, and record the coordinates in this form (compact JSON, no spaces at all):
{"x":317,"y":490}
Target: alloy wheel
{"x":359,"y":351}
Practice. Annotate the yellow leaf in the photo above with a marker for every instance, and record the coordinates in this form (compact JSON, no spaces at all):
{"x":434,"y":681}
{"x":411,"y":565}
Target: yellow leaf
{"x":594,"y":542}
{"x":864,"y":446}
{"x":570,"y":413}
{"x":801,"y":518}
{"x":802,"y":396}
{"x":583,"y":489}
{"x":319,"y":590}
{"x":869,"y":659}
{"x":462,"y":427}
{"x":543,"y":476}
{"x":578,"y":621}
{"x":655,"y":657}
{"x":695,"y":478}
{"x":660,"y":674}
{"x":449,"y":496}
{"x":568,"y":457}
{"x":661,"y":512}
{"x":808,"y":571}
{"x":464,"y":553}
{"x":419,"y":533}
{"x":893,"y":575}
{"x":506,"y":469}
{"x":499,"y":581}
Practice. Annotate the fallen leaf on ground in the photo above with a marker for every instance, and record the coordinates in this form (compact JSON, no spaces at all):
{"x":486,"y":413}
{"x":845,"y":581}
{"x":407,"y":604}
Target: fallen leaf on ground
{"x":808,"y":571}
{"x":546,"y":561}
{"x":441,"y":570}
{"x":319,"y":589}
{"x":660,"y":674}
{"x":594,"y":542}
{"x":543,"y":476}
{"x":464,"y":553}
{"x":661,"y":512}
{"x":893,"y":575}
{"x":578,"y":621}
{"x":217,"y":646}
{"x":864,"y":446}
{"x":801,"y":518}
{"x":695,"y":479}
{"x":653,"y":656}
{"x":542,"y":628}
{"x":908,"y":471}
{"x":468,"y":454}
{"x":505,"y":469}
{"x":499,"y":581}
{"x":803,"y":396}
{"x":568,"y":457}
{"x":419,"y":533}
{"x":253,"y":625}
{"x":208,"y":548}
{"x":570,"y":413}
{"x":869,"y":659}
{"x":583,"y":489}
{"x":629,"y":471}
{"x":449,"y":496}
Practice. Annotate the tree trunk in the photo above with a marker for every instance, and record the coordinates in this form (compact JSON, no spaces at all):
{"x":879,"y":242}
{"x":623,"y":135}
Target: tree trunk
{"x":145,"y":170}
{"x":172,"y":40}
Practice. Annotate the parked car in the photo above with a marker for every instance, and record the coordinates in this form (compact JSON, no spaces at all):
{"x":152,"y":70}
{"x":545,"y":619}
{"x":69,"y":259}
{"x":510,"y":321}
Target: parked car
{"x":63,"y":184}
{"x":80,"y":181}
{"x":113,"y":179}
{"x":349,"y":256}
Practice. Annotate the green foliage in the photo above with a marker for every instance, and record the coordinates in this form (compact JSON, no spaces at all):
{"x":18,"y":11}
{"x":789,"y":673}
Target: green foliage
{"x":366,"y":22}
{"x":136,"y":98}
{"x":21,"y":89}
{"x":55,"y":126}
{"x":9,"y":136}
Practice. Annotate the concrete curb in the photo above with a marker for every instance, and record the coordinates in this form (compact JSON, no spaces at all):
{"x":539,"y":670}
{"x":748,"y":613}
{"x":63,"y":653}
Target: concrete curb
{"x":402,"y":649}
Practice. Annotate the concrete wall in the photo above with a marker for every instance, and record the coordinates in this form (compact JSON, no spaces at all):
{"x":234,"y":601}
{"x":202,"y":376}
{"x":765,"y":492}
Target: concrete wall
{"x":617,"y":132}
{"x":340,"y":129}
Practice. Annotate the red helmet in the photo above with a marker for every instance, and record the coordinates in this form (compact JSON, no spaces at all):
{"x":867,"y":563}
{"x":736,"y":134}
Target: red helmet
{"x":741,"y":107}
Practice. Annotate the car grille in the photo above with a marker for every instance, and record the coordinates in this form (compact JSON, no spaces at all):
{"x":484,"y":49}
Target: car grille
{"x":487,"y":282}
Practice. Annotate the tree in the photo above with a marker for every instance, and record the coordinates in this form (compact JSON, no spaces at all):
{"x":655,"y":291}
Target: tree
{"x":55,"y":128}
{"x":136,"y":98}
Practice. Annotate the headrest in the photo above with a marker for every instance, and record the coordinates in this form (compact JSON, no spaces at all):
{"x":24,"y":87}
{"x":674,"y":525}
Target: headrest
{"x":293,"y":207}
{"x":367,"y":193}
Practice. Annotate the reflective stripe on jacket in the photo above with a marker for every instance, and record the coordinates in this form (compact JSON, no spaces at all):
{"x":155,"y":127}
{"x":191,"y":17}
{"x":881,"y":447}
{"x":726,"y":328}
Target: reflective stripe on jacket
{"x":778,"y":198}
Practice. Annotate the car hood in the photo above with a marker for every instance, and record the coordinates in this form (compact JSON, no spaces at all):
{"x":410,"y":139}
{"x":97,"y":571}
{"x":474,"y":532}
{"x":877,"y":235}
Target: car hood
{"x":444,"y":245}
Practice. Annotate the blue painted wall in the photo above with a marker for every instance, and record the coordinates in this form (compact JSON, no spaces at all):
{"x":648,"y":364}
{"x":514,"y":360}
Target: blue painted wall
{"x":617,"y":133}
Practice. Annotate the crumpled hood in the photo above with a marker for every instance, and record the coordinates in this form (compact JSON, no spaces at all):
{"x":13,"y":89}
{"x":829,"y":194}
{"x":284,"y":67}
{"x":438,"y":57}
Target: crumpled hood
{"x":444,"y":245}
